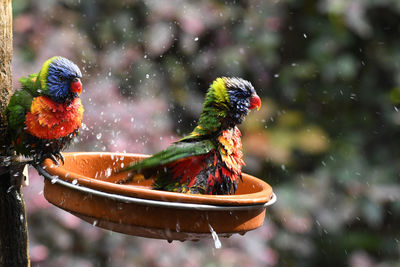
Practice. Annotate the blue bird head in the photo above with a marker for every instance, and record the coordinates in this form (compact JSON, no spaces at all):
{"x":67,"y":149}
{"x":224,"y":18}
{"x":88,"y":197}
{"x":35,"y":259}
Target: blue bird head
{"x":63,"y":82}
{"x":242,"y":98}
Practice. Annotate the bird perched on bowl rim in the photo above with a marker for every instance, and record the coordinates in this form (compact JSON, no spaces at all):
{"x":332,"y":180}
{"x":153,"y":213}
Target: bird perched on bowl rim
{"x":45,"y":114}
{"x":209,"y":160}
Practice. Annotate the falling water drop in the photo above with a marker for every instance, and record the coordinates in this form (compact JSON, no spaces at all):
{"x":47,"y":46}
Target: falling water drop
{"x":217,"y":242}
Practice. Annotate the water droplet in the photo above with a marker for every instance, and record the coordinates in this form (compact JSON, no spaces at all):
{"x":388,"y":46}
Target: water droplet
{"x":196,"y":39}
{"x":217,"y":242}
{"x":54,"y":179}
{"x":74,"y":181}
{"x":147,"y":76}
{"x":98,"y":136}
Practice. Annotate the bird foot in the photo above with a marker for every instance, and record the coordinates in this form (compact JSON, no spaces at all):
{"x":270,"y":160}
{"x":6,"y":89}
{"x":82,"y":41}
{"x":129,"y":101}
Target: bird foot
{"x":60,"y":157}
{"x":55,"y":157}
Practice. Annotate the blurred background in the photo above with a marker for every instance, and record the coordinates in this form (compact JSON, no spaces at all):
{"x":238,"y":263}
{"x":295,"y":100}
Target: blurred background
{"x":327,"y":137}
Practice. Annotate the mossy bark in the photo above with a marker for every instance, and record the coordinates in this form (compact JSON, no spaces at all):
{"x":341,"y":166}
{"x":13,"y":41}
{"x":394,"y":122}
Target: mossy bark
{"x":13,"y":227}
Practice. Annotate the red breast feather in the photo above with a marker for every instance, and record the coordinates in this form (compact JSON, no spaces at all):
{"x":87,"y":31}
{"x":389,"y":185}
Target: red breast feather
{"x":185,"y":170}
{"x":48,"y":119}
{"x":212,"y":173}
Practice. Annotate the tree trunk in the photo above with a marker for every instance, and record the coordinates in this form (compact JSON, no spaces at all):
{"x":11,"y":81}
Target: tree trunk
{"x":13,"y":227}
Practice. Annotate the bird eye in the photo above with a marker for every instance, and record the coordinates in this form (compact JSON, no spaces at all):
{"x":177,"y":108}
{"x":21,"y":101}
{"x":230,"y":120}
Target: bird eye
{"x":61,"y":78}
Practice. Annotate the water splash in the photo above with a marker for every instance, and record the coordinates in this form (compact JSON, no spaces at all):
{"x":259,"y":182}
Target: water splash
{"x":9,"y":189}
{"x":108,"y":172}
{"x":217,"y":242}
{"x":54,"y":179}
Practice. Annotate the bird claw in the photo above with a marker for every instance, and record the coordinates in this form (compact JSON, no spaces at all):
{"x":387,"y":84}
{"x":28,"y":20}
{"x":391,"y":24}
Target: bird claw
{"x":55,"y":157}
{"x":61,"y":157}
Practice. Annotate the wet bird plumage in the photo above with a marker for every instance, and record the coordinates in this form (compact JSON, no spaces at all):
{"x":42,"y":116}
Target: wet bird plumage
{"x":46,"y":113}
{"x":208,"y":160}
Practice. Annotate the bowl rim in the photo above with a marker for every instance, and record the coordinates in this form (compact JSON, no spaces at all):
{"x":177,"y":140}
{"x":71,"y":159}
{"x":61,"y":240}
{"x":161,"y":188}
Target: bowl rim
{"x":151,"y":202}
{"x":136,"y":194}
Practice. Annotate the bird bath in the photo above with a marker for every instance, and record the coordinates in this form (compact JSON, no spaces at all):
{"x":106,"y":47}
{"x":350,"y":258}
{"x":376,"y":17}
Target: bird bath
{"x":85,"y":186}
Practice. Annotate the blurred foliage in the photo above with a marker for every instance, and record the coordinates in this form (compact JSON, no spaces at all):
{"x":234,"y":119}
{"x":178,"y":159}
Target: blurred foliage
{"x":326,"y":137}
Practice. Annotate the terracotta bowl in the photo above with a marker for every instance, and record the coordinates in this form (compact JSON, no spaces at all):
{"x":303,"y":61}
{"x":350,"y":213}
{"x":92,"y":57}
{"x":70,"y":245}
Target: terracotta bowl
{"x":85,"y":186}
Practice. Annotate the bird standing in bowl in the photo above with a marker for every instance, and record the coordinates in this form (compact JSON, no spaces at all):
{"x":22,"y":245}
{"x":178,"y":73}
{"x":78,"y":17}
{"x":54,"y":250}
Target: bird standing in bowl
{"x":209,"y":160}
{"x":46,"y":113}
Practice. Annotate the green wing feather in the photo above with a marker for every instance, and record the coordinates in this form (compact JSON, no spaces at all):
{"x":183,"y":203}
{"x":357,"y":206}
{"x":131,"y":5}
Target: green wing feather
{"x":31,"y":84}
{"x":174,"y":152}
{"x":20,"y":103}
{"x":16,"y":119}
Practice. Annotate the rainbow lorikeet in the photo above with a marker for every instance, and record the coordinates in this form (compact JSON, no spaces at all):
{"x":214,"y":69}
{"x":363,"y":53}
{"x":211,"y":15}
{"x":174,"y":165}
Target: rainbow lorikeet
{"x":46,"y":113}
{"x":209,"y":159}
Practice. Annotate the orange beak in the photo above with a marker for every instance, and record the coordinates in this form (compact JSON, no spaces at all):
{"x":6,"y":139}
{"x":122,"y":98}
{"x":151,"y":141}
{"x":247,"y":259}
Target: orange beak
{"x":255,"y":102}
{"x":76,"y":86}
